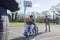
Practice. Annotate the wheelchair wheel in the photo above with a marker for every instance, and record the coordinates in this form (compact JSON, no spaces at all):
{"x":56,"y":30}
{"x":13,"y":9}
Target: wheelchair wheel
{"x":35,"y":31}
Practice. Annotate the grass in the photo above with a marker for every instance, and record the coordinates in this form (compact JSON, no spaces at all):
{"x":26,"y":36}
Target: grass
{"x":16,"y":24}
{"x":21,"y":24}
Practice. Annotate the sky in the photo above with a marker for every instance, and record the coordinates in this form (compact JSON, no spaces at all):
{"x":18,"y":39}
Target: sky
{"x":38,"y":5}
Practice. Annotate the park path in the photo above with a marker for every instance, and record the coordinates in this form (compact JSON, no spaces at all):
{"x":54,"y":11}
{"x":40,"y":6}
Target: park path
{"x":42,"y":35}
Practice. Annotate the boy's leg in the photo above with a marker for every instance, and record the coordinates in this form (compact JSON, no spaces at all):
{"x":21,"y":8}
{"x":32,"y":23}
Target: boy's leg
{"x":26,"y":27}
{"x":45,"y":27}
{"x":49,"y":26}
{"x":31,"y":28}
{"x":26,"y":30}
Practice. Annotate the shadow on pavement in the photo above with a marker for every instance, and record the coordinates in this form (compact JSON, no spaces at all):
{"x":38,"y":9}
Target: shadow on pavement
{"x":42,"y":32}
{"x":20,"y":38}
{"x":24,"y":38}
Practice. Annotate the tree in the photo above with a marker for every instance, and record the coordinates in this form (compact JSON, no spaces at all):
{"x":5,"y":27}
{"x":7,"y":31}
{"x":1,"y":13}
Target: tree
{"x":10,"y":18}
{"x":16,"y":14}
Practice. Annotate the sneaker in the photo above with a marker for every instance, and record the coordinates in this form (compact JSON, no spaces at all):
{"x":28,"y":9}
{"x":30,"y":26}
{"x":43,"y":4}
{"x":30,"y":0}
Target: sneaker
{"x":25,"y":34}
{"x":30,"y":34}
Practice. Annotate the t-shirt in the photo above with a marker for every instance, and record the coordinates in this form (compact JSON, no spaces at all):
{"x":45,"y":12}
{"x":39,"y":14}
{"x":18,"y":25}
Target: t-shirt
{"x":46,"y":20}
{"x":29,"y":21}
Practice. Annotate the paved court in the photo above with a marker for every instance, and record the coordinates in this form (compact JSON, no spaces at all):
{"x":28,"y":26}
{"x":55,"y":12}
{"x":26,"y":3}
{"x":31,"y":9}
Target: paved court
{"x":17,"y":33}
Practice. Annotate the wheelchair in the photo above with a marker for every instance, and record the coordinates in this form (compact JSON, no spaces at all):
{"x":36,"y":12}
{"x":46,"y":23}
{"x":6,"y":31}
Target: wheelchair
{"x":34,"y":32}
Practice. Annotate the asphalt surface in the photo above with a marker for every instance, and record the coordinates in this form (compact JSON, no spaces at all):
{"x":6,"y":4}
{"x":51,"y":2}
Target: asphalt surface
{"x":16,"y":33}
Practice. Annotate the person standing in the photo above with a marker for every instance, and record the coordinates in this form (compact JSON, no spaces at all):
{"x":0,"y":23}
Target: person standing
{"x":47,"y":23}
{"x":4,"y":5}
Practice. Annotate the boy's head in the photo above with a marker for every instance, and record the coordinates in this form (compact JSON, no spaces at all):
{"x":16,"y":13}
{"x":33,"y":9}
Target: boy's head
{"x":31,"y":16}
{"x":46,"y":16}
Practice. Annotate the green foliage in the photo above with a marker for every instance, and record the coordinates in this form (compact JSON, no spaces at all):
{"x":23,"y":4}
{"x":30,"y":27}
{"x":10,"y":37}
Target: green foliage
{"x":16,"y":24}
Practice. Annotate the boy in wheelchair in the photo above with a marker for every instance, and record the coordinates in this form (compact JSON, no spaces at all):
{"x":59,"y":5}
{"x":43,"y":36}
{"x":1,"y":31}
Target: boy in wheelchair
{"x":29,"y":26}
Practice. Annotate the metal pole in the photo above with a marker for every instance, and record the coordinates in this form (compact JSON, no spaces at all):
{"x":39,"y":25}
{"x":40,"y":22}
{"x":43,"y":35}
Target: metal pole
{"x":53,"y":19}
{"x":24,"y":15}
